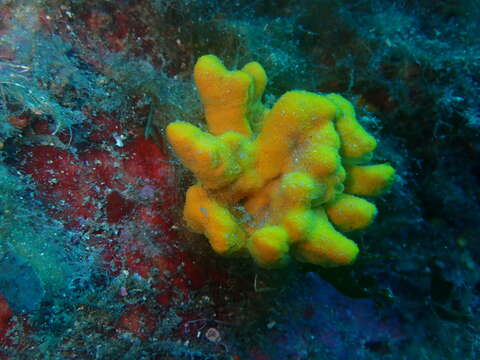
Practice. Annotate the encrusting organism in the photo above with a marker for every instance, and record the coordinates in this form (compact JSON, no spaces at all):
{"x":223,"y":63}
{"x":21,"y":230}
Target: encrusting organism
{"x":281,"y":182}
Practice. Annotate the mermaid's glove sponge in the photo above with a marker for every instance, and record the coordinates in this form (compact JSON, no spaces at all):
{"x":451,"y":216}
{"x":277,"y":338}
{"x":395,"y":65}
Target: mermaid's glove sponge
{"x":276,"y":182}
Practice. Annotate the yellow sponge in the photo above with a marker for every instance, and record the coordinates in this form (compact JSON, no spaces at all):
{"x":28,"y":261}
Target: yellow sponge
{"x":275,"y":182}
{"x":369,"y":180}
{"x":348,"y":212}
{"x":269,"y":246}
{"x":325,"y":246}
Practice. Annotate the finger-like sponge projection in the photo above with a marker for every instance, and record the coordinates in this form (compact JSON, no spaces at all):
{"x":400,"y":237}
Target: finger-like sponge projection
{"x":281,"y":182}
